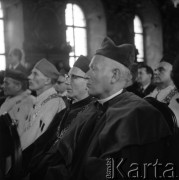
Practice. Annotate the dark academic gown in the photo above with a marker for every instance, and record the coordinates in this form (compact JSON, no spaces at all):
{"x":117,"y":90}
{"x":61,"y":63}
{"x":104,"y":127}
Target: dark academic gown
{"x":126,"y":128}
{"x":57,"y":128}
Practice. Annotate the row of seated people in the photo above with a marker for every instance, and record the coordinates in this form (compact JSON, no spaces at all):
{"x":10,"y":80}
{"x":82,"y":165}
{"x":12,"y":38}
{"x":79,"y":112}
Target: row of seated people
{"x":157,"y":84}
{"x":102,"y":123}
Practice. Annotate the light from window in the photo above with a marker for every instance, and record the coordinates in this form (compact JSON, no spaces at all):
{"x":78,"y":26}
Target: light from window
{"x":2,"y":46}
{"x":138,"y":39}
{"x":75,"y":32}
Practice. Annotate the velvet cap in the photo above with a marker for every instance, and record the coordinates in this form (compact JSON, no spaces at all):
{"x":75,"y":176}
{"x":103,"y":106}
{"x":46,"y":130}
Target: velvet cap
{"x":47,"y":68}
{"x":82,"y":63}
{"x":17,"y":75}
{"x":124,"y":54}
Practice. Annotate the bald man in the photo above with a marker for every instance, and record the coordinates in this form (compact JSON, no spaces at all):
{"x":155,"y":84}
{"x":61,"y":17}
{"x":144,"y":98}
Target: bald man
{"x":165,"y":88}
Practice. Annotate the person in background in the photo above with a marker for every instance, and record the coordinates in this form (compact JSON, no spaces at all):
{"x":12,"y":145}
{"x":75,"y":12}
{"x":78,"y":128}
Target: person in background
{"x":1,"y":87}
{"x":132,"y":85}
{"x":19,"y":101}
{"x":165,"y":88}
{"x":60,"y":85}
{"x":15,"y":58}
{"x":42,"y":79}
{"x":119,"y":125}
{"x":144,"y":78}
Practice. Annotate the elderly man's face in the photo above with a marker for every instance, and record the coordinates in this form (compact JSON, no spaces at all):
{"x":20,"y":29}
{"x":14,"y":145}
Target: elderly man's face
{"x":37,"y":80}
{"x":99,"y":83}
{"x":11,"y":86}
{"x":162,"y":74}
{"x":76,"y":84}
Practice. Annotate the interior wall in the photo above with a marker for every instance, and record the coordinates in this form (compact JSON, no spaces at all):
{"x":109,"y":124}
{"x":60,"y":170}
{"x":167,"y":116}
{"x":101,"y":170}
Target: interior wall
{"x":96,"y":23}
{"x":105,"y":17}
{"x":14,"y":31}
{"x":153,"y":34}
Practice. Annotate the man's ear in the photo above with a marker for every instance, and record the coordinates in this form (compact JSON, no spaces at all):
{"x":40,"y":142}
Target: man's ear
{"x":116,"y":75}
{"x":48,"y":81}
{"x":150,"y":76}
{"x":18,"y":86}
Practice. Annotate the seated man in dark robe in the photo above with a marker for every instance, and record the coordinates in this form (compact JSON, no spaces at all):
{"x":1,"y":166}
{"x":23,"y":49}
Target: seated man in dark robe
{"x":112,"y":135}
{"x":79,"y":99}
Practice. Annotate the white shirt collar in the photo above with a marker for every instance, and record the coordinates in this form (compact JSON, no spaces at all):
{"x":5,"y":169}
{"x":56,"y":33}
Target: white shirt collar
{"x":145,"y":87}
{"x":102,"y":101}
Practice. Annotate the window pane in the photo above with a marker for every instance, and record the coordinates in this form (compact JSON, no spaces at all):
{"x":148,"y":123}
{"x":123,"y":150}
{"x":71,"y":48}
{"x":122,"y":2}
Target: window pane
{"x":70,"y":39}
{"x":2,"y":62}
{"x":79,"y":19}
{"x":137,"y":25}
{"x":75,"y":32}
{"x":139,"y":45}
{"x":1,"y":13}
{"x":69,"y":15}
{"x":80,"y":41}
{"x":2,"y":48}
{"x":72,"y":61}
{"x":138,"y":39}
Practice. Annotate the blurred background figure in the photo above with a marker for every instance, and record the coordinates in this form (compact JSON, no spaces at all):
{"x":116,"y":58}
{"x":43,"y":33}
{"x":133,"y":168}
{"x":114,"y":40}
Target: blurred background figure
{"x":60,"y":85}
{"x":15,"y":58}
{"x":144,"y":79}
{"x":1,"y":85}
{"x":132,"y":84}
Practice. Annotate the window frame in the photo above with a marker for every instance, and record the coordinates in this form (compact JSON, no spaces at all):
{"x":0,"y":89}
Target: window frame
{"x":139,"y":59}
{"x":3,"y":20}
{"x":73,"y":26}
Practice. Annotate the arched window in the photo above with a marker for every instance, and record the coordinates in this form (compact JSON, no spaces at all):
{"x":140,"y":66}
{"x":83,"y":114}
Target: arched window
{"x":75,"y":31}
{"x":2,"y":45}
{"x":138,"y":38}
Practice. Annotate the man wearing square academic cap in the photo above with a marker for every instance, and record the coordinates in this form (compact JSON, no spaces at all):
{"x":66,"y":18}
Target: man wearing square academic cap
{"x":119,"y":128}
{"x":48,"y":103}
{"x":165,"y":88}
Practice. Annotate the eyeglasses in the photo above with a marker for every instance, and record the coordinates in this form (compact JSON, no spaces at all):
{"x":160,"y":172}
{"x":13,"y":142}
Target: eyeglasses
{"x":73,"y":77}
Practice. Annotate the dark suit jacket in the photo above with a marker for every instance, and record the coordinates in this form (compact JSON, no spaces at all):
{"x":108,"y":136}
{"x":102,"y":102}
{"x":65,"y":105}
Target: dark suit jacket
{"x":136,"y":89}
{"x":148,"y":90}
